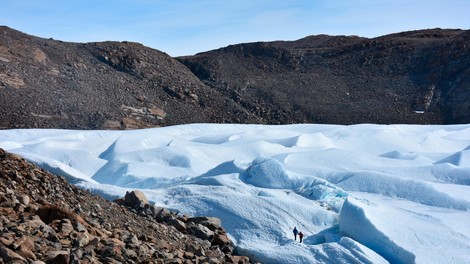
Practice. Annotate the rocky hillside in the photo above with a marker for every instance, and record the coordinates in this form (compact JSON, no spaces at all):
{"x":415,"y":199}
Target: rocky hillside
{"x":47,"y":83}
{"x":411,"y":77}
{"x":43,"y":219}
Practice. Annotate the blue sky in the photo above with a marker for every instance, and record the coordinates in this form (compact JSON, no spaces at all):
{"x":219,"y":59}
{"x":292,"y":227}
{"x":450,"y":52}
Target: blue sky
{"x":185,"y":27}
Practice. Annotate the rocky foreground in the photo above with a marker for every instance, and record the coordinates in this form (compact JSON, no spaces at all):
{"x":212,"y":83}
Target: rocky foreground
{"x":44,"y":219}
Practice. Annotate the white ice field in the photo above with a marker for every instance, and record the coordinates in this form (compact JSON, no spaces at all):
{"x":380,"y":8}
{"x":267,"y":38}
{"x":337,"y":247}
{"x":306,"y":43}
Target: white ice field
{"x":361,"y":194}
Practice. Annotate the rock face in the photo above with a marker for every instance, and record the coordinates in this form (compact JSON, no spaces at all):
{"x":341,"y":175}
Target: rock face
{"x":43,"y":219}
{"x":411,"y":77}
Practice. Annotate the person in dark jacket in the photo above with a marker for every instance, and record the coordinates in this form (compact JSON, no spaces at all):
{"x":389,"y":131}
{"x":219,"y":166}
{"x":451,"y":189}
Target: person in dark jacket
{"x":301,"y":235}
{"x":295,"y":233}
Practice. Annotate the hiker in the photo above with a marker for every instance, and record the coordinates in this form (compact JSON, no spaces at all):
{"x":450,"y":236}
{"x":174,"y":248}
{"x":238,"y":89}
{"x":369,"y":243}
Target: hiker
{"x":301,"y":235}
{"x":295,"y":233}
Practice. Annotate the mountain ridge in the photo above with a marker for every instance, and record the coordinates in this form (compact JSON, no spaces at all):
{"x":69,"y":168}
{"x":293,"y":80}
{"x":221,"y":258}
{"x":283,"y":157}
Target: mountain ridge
{"x":414,"y":77}
{"x":389,"y":79}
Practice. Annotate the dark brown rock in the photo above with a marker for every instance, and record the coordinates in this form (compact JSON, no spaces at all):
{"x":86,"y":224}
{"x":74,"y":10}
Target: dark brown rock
{"x":135,"y":199}
{"x":58,"y":257}
{"x":221,"y":239}
{"x":9,"y":255}
{"x":178,"y":224}
{"x":50,"y":213}
{"x":26,"y":248}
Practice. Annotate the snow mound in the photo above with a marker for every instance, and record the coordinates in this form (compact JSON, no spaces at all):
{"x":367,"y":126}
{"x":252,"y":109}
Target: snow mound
{"x":267,"y":173}
{"x":397,"y":187}
{"x":399,"y":155}
{"x":355,"y":222}
{"x":386,"y":229}
{"x":461,"y":158}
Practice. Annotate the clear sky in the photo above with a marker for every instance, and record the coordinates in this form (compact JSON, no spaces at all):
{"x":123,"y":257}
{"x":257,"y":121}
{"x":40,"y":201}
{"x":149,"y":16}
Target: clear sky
{"x":185,"y":27}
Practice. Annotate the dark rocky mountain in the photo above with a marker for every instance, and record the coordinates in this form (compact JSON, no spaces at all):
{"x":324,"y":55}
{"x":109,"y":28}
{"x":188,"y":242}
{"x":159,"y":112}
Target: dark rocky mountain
{"x":420,"y":77}
{"x":54,"y":84}
{"x":44,"y":219}
{"x":411,"y":77}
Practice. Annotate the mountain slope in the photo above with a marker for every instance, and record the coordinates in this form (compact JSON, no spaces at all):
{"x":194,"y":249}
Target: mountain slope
{"x":346,"y":79}
{"x":48,"y":83}
{"x":410,"y":77}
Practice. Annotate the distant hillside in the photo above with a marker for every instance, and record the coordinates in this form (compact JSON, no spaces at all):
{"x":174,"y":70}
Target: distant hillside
{"x":49,"y":83}
{"x":412,"y":77}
